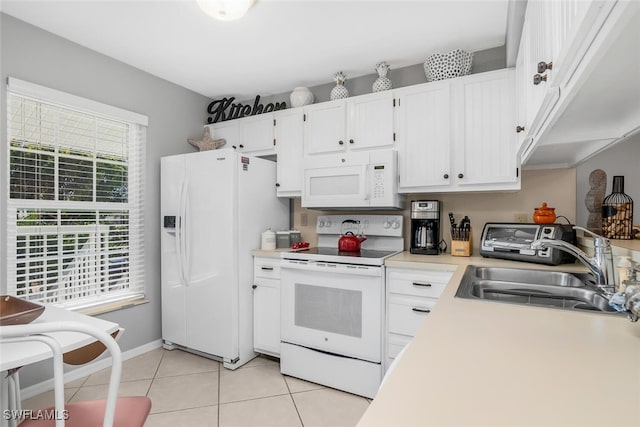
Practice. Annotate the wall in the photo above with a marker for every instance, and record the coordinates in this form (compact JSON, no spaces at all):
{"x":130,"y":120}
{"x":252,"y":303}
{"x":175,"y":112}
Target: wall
{"x":556,"y":187}
{"x":484,"y":60}
{"x":621,"y":159}
{"x":175,"y":114}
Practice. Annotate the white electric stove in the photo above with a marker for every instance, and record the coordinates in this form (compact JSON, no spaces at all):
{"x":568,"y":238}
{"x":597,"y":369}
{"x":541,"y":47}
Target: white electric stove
{"x":333,"y":304}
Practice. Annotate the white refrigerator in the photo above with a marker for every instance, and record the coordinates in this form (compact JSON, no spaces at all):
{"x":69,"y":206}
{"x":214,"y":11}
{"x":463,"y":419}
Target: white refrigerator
{"x":214,"y":206}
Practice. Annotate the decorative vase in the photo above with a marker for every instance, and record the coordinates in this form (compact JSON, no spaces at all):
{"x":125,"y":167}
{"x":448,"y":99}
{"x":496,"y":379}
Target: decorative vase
{"x":382,"y":82}
{"x":339,"y":91}
{"x":617,"y":212}
{"x":441,"y":66}
{"x":301,"y":96}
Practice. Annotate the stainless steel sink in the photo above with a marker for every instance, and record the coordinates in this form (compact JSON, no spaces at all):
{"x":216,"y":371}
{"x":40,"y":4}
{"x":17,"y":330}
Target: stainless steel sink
{"x":568,"y":291}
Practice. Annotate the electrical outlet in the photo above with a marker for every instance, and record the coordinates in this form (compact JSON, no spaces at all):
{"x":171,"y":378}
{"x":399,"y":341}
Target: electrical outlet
{"x":521,"y":217}
{"x":304,"y":219}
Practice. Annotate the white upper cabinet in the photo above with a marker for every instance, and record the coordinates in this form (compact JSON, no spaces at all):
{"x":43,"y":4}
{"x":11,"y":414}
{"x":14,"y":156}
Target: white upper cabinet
{"x":289,"y":136}
{"x":325,"y":125}
{"x":256,"y":135}
{"x":485,"y":142}
{"x":229,"y":131}
{"x":359,"y":123}
{"x":584,"y":57}
{"x":370,"y":121}
{"x":252,"y":135}
{"x":424,"y":136}
{"x":458,"y":134}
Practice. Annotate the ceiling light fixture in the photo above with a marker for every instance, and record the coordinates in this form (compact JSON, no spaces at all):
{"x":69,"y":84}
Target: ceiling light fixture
{"x":225,"y":10}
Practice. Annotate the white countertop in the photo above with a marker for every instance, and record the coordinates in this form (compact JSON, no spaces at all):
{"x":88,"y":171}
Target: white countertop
{"x":481,"y":363}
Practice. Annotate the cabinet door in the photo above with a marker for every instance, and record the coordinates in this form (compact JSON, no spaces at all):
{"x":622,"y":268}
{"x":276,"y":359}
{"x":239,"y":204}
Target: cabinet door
{"x":289,"y":135}
{"x":370,"y":121}
{"x":485,"y":145}
{"x":227,"y":131}
{"x":325,"y":128}
{"x":423,"y":134}
{"x":521,"y":90}
{"x":266,"y":316}
{"x":256,"y":134}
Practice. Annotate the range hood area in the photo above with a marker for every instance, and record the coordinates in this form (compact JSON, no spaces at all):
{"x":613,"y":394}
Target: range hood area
{"x":600,"y":104}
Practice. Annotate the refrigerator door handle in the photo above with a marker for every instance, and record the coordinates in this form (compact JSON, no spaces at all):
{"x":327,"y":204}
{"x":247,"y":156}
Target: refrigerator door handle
{"x":180,"y":236}
{"x":186,"y":262}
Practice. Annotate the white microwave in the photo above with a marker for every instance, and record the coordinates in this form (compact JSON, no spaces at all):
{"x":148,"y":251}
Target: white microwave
{"x":362,"y":180}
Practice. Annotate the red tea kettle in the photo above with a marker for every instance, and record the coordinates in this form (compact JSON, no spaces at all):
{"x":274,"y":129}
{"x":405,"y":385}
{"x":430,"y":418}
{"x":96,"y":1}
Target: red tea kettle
{"x":349,"y":242}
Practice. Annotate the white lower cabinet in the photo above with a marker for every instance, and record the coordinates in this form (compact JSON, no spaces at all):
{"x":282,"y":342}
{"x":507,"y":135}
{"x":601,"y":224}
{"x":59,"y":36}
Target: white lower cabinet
{"x":266,"y":306}
{"x":411,"y":295}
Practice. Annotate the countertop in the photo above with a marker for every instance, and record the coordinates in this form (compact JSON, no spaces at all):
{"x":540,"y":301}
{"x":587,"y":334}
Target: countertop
{"x":481,"y":363}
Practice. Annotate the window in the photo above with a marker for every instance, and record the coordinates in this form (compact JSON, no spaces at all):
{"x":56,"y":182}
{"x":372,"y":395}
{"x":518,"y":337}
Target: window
{"x":75,"y":200}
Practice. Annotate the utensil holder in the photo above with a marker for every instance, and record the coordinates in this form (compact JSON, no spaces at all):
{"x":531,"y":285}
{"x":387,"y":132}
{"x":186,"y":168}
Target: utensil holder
{"x":462,"y":247}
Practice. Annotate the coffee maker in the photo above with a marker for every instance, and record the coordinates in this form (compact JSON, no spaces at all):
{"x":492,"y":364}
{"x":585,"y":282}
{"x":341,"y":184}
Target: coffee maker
{"x":425,"y":227}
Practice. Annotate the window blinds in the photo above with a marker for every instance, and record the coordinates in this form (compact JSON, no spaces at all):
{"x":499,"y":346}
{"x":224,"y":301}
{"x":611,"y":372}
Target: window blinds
{"x":76,"y":199}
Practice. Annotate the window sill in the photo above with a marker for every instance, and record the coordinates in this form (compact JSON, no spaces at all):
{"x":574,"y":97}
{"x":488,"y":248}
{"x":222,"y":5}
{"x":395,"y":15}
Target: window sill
{"x":119,"y":305}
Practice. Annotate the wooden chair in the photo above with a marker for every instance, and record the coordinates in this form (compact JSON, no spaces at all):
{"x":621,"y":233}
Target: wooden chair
{"x":113,"y":411}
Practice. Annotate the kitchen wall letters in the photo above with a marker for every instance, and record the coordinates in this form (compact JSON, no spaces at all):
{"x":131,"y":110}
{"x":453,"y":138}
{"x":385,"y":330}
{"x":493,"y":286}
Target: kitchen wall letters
{"x":224,"y":109}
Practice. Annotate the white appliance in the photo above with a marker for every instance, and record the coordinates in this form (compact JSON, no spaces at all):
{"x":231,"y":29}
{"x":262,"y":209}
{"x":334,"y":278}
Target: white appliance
{"x":214,"y":207}
{"x":332,"y":304}
{"x":366,"y":179}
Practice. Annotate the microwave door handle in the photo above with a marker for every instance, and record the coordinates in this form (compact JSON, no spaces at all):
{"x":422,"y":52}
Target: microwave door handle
{"x":367,"y":182}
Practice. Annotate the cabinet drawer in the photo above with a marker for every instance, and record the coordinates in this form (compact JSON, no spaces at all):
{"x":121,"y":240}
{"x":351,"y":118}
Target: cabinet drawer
{"x":419,"y":283}
{"x":407,"y":314}
{"x":267,"y":267}
{"x":395,"y":344}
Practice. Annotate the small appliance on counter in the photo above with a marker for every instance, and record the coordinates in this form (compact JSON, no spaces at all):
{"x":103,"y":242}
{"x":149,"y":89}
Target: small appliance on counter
{"x":513,"y":241}
{"x":425,"y":227}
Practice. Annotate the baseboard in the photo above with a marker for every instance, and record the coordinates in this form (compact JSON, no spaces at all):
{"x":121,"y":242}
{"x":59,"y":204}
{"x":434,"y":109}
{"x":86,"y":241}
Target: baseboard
{"x":88,"y":369}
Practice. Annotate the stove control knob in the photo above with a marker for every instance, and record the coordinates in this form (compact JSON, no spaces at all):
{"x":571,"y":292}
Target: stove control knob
{"x":327,"y":224}
{"x":386,"y":224}
{"x":395,"y":224}
{"x":321,"y":223}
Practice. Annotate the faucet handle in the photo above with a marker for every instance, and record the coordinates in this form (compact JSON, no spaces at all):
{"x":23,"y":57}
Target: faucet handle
{"x":598,"y":240}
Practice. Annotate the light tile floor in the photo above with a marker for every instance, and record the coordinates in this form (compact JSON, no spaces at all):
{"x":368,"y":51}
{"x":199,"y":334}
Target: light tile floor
{"x":189,"y":390}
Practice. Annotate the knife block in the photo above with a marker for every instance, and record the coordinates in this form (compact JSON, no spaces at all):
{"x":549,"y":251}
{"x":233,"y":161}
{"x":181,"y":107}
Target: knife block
{"x":462,"y":247}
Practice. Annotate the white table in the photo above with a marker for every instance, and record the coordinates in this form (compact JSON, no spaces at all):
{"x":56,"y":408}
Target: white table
{"x":14,"y":355}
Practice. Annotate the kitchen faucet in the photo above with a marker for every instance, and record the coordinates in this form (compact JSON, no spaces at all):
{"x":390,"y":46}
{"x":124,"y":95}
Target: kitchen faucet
{"x":601,"y":264}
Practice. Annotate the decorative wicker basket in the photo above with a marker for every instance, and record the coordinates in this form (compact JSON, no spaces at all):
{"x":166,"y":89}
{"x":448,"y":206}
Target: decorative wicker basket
{"x":441,"y":66}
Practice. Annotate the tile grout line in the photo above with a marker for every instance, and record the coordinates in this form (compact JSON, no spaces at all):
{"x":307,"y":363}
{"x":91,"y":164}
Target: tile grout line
{"x":293,"y":400}
{"x":153,"y":379}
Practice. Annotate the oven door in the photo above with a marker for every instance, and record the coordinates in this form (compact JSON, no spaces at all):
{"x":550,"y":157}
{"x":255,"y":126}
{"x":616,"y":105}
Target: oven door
{"x":336,"y":308}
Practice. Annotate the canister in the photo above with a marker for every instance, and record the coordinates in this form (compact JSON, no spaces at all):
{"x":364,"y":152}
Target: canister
{"x":268,"y":240}
{"x":283,"y":239}
{"x":295,"y":236}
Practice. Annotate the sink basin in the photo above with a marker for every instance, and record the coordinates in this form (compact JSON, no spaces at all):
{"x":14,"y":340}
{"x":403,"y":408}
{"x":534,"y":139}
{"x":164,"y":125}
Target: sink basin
{"x":568,"y":291}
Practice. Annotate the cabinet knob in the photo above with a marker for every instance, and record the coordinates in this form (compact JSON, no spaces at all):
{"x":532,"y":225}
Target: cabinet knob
{"x":537,"y":79}
{"x":519,"y":129}
{"x":446,"y":176}
{"x":241,"y":146}
{"x":351,"y":141}
{"x":544,"y":66}
{"x":234,"y":147}
{"x":277,"y":184}
{"x":460,"y":175}
{"x":254,"y":286}
{"x":340,"y":142}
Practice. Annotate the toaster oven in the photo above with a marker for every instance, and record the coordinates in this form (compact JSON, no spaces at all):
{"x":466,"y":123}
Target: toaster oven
{"x":513,"y":241}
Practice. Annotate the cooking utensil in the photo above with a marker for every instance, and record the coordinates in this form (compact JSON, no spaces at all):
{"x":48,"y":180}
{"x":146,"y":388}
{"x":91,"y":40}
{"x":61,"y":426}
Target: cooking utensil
{"x":349,"y":242}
